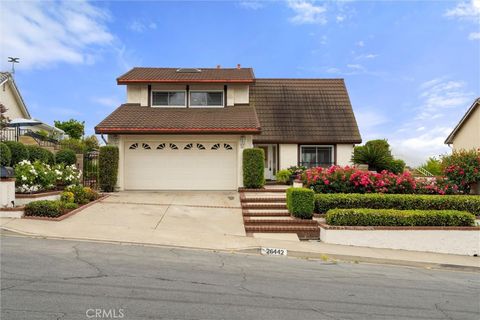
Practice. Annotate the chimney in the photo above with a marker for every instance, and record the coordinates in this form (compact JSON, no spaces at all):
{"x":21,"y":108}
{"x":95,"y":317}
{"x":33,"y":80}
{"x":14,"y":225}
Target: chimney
{"x":238,"y":66}
{"x":218,"y":66}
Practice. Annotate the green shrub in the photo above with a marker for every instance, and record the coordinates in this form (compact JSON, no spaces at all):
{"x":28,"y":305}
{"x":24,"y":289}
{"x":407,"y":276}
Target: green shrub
{"x":79,"y":194}
{"x":392,"y":217}
{"x":44,"y":208}
{"x":18,"y":150}
{"x":108,"y":168}
{"x":253,"y":168}
{"x":66,"y":156}
{"x":68,"y":206}
{"x":325,"y":202}
{"x":67,"y":197}
{"x":300,"y":202}
{"x":5,"y":155}
{"x":283,"y":176}
{"x":90,"y":194}
{"x":40,"y":154}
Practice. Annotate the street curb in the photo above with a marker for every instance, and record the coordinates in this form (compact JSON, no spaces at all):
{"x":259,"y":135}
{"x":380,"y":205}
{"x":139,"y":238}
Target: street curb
{"x":326,"y":257}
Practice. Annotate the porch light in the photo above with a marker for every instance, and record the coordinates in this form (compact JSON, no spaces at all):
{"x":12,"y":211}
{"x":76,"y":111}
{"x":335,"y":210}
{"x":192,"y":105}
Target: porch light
{"x":242,"y":141}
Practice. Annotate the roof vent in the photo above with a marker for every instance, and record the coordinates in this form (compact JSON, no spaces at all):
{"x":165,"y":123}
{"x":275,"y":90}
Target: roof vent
{"x":188,"y":70}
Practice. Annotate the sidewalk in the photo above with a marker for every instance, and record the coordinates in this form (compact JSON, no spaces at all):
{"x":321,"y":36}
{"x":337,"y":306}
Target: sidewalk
{"x":234,"y":243}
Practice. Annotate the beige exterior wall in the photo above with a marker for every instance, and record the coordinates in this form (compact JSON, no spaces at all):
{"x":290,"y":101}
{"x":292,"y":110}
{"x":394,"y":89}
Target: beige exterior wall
{"x":344,"y":154}
{"x":121,"y":139}
{"x":10,"y":100}
{"x":288,"y":155}
{"x":468,"y":137}
{"x":236,"y":93}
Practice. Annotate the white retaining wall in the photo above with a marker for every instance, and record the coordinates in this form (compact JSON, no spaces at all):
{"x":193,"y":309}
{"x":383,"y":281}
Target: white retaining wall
{"x":462,"y":242}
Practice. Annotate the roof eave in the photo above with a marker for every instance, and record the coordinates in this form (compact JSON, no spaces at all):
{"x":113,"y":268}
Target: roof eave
{"x":119,"y":130}
{"x":459,"y":125}
{"x":140,"y":81}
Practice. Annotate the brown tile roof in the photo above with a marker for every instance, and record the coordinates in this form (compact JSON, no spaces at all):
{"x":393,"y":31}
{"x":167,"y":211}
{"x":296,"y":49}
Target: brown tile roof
{"x":169,"y":75}
{"x":464,"y":119}
{"x":133,"y":118}
{"x":304,"y":111}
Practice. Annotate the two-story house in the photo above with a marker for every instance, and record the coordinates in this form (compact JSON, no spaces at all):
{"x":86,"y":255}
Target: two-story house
{"x":186,"y":129}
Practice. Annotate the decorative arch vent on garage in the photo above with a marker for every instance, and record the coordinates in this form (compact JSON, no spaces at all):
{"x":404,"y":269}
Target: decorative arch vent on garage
{"x":186,"y":146}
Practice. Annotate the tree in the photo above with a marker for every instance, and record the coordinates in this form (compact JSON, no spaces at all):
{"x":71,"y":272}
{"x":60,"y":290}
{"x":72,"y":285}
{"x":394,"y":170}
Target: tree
{"x":433,"y":165}
{"x":74,"y":128}
{"x":378,"y":156}
{"x":91,"y":143}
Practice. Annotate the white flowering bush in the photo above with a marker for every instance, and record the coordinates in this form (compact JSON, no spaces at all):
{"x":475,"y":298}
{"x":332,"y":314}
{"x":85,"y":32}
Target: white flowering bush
{"x":33,"y":177}
{"x":67,"y":174}
{"x":39,"y":176}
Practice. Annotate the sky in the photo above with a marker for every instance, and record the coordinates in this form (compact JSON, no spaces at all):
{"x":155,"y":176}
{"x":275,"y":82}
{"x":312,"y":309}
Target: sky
{"x":412,"y":68}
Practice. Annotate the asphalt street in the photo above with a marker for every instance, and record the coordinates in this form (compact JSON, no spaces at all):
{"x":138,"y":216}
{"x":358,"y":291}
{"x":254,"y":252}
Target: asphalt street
{"x":59,"y":279}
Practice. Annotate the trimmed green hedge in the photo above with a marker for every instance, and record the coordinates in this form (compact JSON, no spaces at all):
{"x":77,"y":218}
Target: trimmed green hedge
{"x":300,"y":202}
{"x":38,"y":153}
{"x":66,"y":156}
{"x":18,"y":150}
{"x":391,"y":217}
{"x":5,"y":155}
{"x":325,"y":202}
{"x":253,"y":168}
{"x":44,"y":208}
{"x":108,"y":168}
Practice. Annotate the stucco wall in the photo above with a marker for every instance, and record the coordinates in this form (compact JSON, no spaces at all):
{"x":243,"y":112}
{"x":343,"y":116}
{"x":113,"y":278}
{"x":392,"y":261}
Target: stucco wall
{"x":344,"y":154}
{"x":440,"y":241}
{"x":121,"y":139}
{"x":288,"y":155}
{"x":9,"y":100}
{"x":468,"y":137}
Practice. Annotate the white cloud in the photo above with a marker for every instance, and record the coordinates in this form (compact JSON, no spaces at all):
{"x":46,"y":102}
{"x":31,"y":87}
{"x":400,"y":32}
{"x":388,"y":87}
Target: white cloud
{"x":360,"y":43}
{"x":465,"y":10}
{"x":366,"y":56}
{"x":474,"y":36}
{"x":442,"y":103}
{"x":340,"y":18}
{"x":307,"y":13}
{"x":252,"y":5}
{"x":140,"y":26}
{"x":43,"y":33}
{"x":368,"y":121}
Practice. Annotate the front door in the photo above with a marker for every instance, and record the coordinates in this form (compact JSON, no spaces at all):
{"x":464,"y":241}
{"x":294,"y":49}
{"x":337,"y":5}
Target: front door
{"x":270,"y":151}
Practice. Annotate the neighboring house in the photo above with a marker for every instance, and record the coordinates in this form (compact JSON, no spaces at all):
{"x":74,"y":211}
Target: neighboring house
{"x":18,"y":114}
{"x":11,"y":98}
{"x":466,"y":135}
{"x":186,"y":129}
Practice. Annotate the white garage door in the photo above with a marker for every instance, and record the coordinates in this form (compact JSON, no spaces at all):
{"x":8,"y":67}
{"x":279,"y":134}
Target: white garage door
{"x":174,"y":165}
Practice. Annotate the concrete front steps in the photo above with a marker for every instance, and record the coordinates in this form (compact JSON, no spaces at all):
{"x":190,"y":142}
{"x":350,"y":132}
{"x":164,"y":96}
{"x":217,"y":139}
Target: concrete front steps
{"x":265,"y":212}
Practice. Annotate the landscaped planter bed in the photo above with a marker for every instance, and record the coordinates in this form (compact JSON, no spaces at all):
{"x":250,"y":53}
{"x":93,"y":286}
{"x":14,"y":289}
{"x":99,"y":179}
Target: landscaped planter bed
{"x":15,"y":212}
{"x":69,"y":213}
{"x":22,"y":199}
{"x":450,"y":240}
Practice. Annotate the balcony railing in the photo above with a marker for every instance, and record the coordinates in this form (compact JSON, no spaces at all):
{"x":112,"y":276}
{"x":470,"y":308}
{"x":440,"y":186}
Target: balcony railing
{"x":316,"y":164}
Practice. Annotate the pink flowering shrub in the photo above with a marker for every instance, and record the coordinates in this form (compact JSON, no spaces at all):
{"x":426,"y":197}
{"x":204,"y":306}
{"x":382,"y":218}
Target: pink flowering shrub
{"x":462,"y":168}
{"x":347,"y":179}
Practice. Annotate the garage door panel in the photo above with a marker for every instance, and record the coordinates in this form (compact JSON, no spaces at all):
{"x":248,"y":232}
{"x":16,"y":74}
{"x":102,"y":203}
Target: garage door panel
{"x":179,"y":169}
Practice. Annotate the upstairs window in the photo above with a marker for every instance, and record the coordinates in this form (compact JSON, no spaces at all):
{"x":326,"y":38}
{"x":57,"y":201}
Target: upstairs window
{"x":168,"y":98}
{"x":206,"y":98}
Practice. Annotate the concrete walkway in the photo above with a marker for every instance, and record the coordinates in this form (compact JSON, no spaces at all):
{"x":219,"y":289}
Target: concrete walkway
{"x":202,"y":220}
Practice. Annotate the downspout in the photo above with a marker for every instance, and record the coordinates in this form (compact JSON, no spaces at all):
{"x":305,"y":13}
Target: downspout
{"x":103,"y":138}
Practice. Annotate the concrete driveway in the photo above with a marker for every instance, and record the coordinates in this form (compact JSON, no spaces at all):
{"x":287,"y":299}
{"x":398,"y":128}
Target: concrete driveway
{"x":171,"y":218}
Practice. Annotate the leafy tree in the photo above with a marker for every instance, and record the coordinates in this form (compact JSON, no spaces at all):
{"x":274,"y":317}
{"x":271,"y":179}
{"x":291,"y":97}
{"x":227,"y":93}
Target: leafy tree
{"x":433,"y":165}
{"x":91,"y":143}
{"x":378,"y":156}
{"x":74,"y":128}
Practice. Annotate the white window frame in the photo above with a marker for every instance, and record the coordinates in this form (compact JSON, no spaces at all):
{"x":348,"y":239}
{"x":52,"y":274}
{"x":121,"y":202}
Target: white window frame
{"x":200,"y":106}
{"x":331,"y":146}
{"x":168,"y":106}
